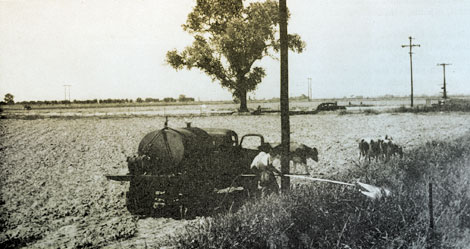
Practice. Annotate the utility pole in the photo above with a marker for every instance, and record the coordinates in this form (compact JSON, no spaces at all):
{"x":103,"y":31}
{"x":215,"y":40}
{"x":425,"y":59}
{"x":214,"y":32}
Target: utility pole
{"x":444,"y":88}
{"x":411,"y":64}
{"x":67,"y":89}
{"x":309,"y":88}
{"x":285,"y":125}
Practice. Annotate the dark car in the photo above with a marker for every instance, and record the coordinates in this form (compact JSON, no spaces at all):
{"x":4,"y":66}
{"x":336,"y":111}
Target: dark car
{"x":330,"y":106}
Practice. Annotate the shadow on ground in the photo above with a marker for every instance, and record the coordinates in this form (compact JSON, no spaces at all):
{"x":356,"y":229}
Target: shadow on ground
{"x":186,"y":206}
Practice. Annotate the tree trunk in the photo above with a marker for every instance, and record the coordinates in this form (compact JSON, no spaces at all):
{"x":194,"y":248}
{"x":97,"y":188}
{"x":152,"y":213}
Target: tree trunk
{"x":243,"y":105}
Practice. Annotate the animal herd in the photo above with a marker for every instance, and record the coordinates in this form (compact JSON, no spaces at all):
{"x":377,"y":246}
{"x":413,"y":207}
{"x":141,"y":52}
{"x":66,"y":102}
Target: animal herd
{"x":379,"y":149}
{"x":382,"y":149}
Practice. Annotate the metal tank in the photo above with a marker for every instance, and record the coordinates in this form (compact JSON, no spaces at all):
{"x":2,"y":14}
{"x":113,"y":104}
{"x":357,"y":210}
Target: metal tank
{"x":176,"y":167}
{"x":171,"y":152}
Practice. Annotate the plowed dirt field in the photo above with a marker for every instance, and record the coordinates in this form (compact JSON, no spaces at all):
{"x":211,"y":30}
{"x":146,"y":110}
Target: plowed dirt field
{"x":53,"y":193}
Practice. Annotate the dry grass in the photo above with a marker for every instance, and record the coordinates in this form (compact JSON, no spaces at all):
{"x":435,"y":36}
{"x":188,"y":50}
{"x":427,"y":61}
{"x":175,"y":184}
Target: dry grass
{"x":332,"y":216}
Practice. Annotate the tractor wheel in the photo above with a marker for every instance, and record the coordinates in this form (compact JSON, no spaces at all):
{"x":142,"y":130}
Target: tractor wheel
{"x":140,"y":198}
{"x":147,"y":198}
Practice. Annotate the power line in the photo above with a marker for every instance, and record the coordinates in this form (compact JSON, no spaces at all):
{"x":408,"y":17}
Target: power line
{"x":444,"y":88}
{"x":411,"y":64}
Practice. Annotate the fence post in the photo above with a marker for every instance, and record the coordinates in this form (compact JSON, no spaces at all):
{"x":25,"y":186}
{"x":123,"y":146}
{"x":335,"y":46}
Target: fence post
{"x":431,"y":218}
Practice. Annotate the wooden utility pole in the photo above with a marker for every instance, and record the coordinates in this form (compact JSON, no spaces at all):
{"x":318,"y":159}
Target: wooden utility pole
{"x":444,"y":88}
{"x":411,"y":64}
{"x":285,"y":125}
{"x":309,"y":88}
{"x":67,"y":87}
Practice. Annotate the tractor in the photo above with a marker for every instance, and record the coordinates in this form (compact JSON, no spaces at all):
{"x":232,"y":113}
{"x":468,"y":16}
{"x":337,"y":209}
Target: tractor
{"x":180,"y":168}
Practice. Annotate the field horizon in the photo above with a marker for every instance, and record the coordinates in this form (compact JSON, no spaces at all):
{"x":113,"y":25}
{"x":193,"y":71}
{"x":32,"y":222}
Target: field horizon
{"x":192,"y":109}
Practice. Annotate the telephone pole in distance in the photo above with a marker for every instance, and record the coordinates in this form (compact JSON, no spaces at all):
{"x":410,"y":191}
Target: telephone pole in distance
{"x":67,"y":87}
{"x":411,"y":63}
{"x":444,"y":88}
{"x":309,"y":88}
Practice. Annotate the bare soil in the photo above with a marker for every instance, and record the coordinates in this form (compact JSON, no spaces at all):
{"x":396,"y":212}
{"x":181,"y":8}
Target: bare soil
{"x":54,"y":193}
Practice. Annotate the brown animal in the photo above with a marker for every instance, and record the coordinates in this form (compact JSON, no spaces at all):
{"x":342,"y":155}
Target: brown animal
{"x":370,"y":148}
{"x":298,"y":152}
{"x":363,"y":149}
{"x":375,"y":149}
{"x":379,"y":149}
{"x":391,"y":149}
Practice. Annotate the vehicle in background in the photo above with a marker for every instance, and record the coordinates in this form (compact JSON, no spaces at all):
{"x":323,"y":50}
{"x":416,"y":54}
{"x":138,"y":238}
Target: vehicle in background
{"x":330,"y":106}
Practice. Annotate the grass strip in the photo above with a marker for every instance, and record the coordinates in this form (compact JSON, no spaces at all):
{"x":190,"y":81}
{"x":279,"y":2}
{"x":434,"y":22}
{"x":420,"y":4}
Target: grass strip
{"x":323,"y":215}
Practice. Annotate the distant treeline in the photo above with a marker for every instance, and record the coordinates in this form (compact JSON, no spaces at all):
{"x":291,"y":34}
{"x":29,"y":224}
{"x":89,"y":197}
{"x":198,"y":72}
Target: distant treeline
{"x":181,"y":98}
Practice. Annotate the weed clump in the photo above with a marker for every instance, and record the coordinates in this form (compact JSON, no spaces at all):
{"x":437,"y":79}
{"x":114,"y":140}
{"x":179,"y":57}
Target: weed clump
{"x":450,"y":106}
{"x":371,"y":112}
{"x":344,"y":112}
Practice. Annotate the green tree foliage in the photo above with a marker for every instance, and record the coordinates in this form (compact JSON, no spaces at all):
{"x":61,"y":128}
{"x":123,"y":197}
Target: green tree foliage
{"x":228,"y":39}
{"x":9,"y":98}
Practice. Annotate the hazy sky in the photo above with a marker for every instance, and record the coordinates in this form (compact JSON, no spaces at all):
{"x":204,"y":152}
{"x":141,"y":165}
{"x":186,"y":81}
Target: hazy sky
{"x":116,"y":49}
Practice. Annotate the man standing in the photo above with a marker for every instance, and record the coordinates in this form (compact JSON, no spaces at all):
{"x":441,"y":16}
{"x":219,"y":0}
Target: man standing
{"x":263,"y":167}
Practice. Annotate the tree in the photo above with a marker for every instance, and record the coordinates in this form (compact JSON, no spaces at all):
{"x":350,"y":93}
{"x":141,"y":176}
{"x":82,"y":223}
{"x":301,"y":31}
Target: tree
{"x":9,"y":99}
{"x":228,"y":39}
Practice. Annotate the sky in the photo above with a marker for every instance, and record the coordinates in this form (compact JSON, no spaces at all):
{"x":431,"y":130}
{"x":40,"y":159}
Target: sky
{"x":116,"y":49}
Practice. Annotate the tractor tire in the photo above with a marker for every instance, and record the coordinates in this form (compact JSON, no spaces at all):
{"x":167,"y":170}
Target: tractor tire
{"x":140,"y":198}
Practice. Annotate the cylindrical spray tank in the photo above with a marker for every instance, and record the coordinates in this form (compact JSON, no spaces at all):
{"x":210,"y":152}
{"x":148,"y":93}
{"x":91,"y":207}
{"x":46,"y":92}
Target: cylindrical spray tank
{"x":172,"y":151}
